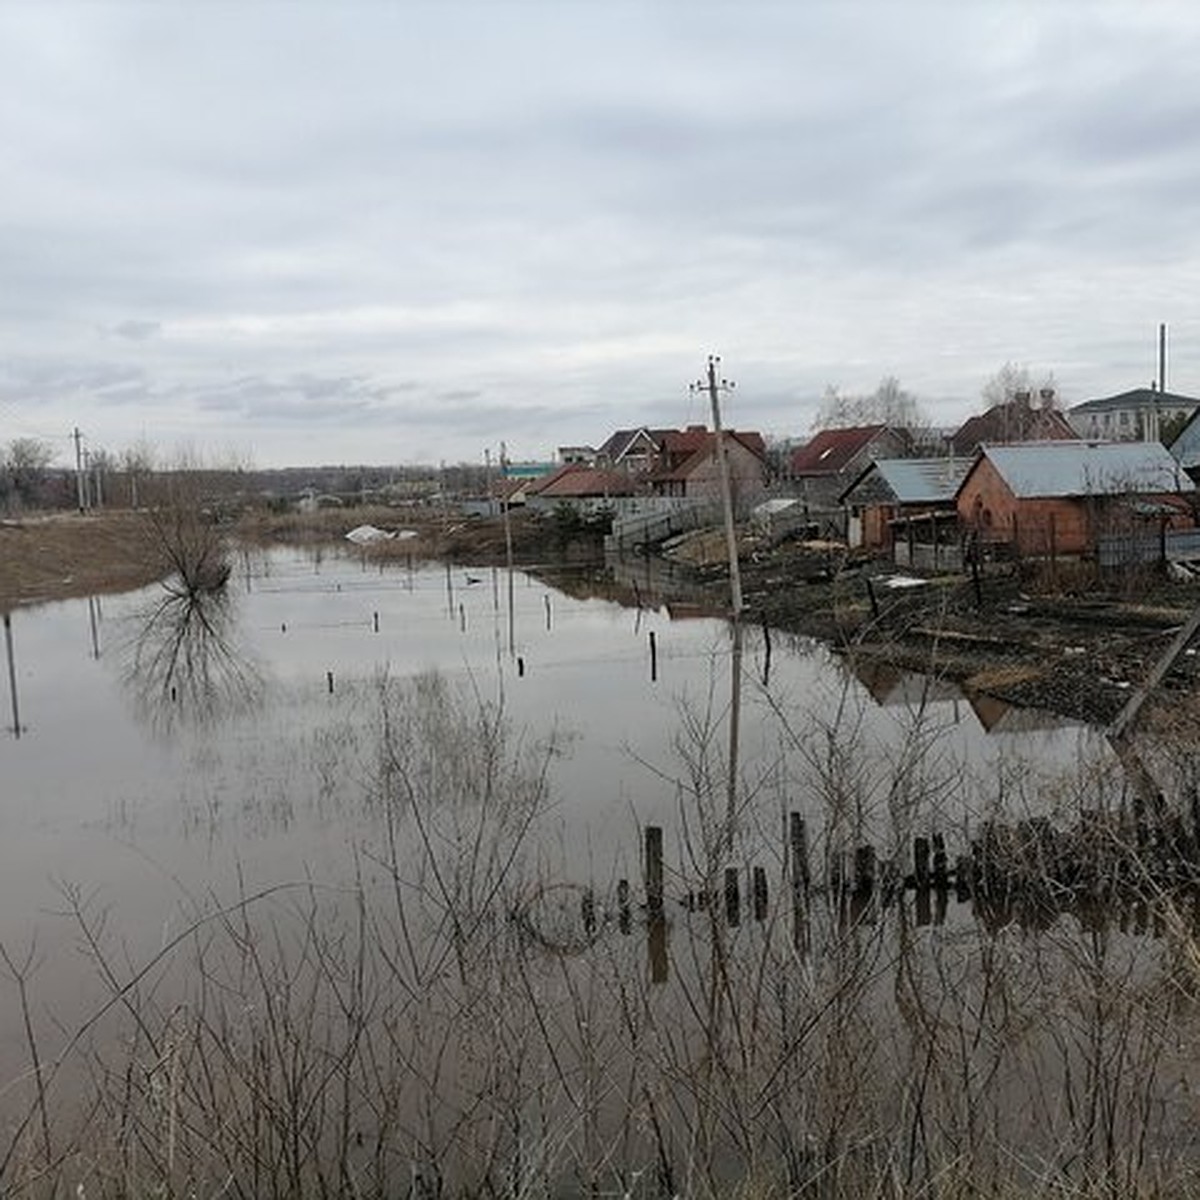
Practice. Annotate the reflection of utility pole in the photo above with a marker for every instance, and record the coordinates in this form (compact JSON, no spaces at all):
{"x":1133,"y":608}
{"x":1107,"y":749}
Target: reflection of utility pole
{"x":79,"y":486}
{"x":508,"y":547}
{"x":714,"y":386}
{"x":12,"y":674}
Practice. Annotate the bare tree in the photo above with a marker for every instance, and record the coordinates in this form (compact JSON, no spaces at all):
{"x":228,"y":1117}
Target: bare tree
{"x":1014,"y":380}
{"x":888,"y":404}
{"x":25,"y":462}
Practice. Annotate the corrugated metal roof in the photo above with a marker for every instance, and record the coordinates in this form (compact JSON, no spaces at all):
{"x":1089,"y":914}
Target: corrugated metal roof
{"x":1087,"y":468}
{"x":923,"y":480}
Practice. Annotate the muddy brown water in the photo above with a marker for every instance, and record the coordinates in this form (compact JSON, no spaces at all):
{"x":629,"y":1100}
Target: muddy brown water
{"x":162,"y":774}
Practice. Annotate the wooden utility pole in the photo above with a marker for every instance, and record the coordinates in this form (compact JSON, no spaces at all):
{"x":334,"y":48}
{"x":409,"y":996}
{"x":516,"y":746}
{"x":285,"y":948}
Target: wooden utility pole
{"x":714,"y":386}
{"x":80,"y":492}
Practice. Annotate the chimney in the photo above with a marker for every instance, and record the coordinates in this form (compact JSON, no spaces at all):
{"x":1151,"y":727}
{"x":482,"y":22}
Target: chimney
{"x":1046,"y":395}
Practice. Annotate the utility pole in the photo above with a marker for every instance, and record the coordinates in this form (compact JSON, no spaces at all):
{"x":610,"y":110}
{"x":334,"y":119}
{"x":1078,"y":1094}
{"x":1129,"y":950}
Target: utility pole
{"x":714,"y":387}
{"x":81,"y":495}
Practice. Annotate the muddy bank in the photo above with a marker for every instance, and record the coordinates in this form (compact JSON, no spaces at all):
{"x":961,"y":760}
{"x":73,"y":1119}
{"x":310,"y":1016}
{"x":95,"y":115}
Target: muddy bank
{"x":1077,"y":648}
{"x":64,"y":555}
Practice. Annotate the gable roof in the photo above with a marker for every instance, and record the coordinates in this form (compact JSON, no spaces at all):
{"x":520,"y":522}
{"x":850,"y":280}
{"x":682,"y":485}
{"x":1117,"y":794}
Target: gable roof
{"x":620,"y":443}
{"x":830,"y":451}
{"x":575,"y":481}
{"x":1185,"y":449}
{"x":916,"y":480}
{"x":1078,"y":468}
{"x":1138,"y":399}
{"x":1012,"y":421}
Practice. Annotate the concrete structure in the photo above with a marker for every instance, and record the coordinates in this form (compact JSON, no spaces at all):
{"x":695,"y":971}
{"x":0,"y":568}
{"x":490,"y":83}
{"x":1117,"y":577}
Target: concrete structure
{"x":1134,"y":416}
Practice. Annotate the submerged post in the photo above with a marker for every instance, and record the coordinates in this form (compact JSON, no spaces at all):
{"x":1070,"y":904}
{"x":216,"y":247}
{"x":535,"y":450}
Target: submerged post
{"x":654,"y":870}
{"x":12,"y":673}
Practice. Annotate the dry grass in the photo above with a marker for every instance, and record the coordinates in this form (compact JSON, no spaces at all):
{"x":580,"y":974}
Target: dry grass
{"x":1005,"y":676}
{"x":66,"y":555}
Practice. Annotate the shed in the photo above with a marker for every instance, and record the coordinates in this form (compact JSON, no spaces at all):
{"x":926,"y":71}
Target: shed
{"x":1047,"y":498}
{"x":893,"y":488}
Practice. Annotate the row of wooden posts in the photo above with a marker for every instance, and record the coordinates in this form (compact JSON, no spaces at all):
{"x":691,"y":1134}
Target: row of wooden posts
{"x":1107,"y":865}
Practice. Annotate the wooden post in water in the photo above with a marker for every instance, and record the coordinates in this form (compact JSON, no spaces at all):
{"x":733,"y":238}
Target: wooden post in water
{"x":329,"y":681}
{"x":759,"y":887}
{"x":656,"y":946}
{"x":864,"y":870}
{"x":462,"y":618}
{"x":653,"y":657}
{"x":941,"y":873}
{"x":654,"y":870}
{"x":798,"y":847}
{"x":766,"y":632}
{"x":798,"y":864}
{"x":375,"y":621}
{"x":733,"y":897}
{"x":12,"y":673}
{"x":549,"y":619}
{"x":921,"y":863}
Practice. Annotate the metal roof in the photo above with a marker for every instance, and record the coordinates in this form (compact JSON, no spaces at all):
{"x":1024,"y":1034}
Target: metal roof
{"x":923,"y":480}
{"x":1080,"y":468}
{"x":1136,"y":398}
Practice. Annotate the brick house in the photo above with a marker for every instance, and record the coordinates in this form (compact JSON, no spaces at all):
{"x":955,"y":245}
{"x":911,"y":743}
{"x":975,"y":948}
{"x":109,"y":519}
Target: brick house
{"x":831,"y":460}
{"x":1016,"y":420}
{"x":1048,"y":498}
{"x":689,"y":466}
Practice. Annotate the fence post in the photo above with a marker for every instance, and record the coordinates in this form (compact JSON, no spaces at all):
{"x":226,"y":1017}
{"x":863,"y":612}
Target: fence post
{"x":654,"y":870}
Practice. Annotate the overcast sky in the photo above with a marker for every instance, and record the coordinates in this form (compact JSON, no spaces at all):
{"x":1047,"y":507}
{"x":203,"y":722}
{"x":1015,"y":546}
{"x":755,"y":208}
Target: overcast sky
{"x":338,"y":232}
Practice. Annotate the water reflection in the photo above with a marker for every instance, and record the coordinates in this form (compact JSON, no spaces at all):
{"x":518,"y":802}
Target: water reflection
{"x":183,"y":664}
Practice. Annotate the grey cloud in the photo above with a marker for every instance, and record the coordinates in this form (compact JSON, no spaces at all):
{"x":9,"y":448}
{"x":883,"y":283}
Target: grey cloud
{"x":137,"y":331}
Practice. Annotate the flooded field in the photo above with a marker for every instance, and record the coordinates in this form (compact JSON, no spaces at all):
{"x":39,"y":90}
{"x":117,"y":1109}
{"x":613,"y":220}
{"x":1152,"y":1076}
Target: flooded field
{"x":334,"y":884}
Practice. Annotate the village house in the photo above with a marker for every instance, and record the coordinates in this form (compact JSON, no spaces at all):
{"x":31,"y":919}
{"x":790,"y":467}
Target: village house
{"x":825,"y":465}
{"x":1142,"y":414}
{"x":1059,"y":498}
{"x":1185,"y":449}
{"x":1016,"y":420}
{"x":906,"y":506}
{"x":586,"y":489}
{"x":689,"y":467}
{"x":635,"y":451}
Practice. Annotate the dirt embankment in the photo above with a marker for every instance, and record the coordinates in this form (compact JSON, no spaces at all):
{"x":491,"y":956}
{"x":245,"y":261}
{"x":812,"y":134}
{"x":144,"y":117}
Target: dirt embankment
{"x":1071,"y":644}
{"x":56,"y":557}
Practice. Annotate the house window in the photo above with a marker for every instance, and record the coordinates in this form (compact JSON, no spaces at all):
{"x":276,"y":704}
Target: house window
{"x":1124,"y":420}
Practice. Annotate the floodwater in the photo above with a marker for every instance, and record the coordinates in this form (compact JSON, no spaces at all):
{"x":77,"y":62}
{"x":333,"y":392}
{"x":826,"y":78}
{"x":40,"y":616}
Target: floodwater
{"x":137,"y":794}
{"x":329,"y":730}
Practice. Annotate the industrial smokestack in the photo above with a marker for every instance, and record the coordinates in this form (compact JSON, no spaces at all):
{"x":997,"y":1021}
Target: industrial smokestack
{"x":1162,"y":359}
